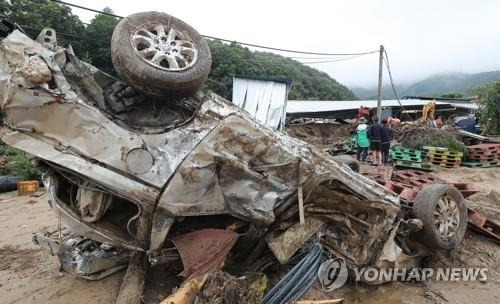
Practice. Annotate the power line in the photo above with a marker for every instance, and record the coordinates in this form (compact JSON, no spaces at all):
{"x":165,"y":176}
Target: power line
{"x":230,"y":41}
{"x":335,"y":60}
{"x":270,"y":62}
{"x":88,"y":9}
{"x":76,"y":36}
{"x":285,"y":50}
{"x":308,"y":57}
{"x":386,"y":59}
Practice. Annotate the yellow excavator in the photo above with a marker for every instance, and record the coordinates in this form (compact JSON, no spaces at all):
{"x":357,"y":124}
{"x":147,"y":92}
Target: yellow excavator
{"x":429,"y":110}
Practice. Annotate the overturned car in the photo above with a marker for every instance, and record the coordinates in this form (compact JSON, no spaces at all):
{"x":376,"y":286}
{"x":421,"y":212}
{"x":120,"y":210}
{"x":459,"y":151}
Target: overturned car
{"x":147,"y":168}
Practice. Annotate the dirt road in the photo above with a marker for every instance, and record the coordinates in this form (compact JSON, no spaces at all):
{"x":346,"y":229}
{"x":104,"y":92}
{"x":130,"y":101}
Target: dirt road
{"x":30,"y":275}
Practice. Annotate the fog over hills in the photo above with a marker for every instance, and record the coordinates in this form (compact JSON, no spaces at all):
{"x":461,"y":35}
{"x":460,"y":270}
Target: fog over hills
{"x":435,"y":85}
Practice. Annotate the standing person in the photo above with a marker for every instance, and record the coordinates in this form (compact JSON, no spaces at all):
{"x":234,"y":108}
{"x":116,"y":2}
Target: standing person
{"x":375,"y":136}
{"x":362,"y":141}
{"x":387,"y":136}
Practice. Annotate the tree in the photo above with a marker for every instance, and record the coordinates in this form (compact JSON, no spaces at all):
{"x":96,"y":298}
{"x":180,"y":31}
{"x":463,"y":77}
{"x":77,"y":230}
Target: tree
{"x":308,"y":83}
{"x":452,"y":95}
{"x":33,"y":15}
{"x":489,"y":107}
{"x":101,"y":28}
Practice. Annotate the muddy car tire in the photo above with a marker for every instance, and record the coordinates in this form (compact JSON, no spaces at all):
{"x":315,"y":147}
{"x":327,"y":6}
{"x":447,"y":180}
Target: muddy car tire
{"x":348,"y":160}
{"x":159,"y":54}
{"x":442,"y":210}
{"x":9,"y":183}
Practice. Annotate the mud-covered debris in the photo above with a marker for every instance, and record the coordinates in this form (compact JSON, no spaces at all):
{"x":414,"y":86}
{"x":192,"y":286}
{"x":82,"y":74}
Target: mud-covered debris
{"x":487,"y":204}
{"x":321,"y":134}
{"x":416,"y":135}
{"x":36,"y":70}
{"x":224,"y":288}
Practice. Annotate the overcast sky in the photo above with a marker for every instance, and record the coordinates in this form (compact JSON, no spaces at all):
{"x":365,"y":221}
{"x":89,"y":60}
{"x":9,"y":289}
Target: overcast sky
{"x":422,"y":37}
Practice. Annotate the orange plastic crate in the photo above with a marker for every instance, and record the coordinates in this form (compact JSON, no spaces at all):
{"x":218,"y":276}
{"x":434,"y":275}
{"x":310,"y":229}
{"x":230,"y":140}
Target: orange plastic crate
{"x":27,"y":187}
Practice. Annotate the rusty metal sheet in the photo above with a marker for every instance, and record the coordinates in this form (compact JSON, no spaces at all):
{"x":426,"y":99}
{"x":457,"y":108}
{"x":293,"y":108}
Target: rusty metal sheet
{"x":204,"y":250}
{"x":483,"y":225}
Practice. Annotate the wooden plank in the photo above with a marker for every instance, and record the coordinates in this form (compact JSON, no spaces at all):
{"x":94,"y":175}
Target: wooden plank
{"x":300,"y":194}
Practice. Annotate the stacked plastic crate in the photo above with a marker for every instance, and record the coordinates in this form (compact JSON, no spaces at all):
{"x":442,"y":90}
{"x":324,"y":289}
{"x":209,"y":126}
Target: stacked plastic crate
{"x":442,"y":157}
{"x":483,"y":156}
{"x":409,"y":158}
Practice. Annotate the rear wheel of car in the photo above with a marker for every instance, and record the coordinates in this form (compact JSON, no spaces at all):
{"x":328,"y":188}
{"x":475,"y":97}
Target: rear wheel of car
{"x":159,"y":54}
{"x":442,"y":210}
{"x":348,"y":160}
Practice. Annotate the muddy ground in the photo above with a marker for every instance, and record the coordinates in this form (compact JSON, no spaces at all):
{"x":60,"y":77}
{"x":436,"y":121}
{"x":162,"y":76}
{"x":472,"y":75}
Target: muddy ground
{"x":30,"y":275}
{"x":321,"y":134}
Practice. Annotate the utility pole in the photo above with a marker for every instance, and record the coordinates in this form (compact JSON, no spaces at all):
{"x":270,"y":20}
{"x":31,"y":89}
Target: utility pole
{"x":379,"y":90}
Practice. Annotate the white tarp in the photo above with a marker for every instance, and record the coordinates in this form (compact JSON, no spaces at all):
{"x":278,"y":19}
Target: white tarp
{"x":265,"y":100}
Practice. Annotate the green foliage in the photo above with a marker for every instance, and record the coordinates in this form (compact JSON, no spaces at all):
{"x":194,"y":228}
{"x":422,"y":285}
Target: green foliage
{"x":99,"y":52}
{"x":489,"y":106}
{"x":437,"y":138}
{"x":15,"y":162}
{"x":42,"y":13}
{"x":452,"y":95}
{"x":308,"y":83}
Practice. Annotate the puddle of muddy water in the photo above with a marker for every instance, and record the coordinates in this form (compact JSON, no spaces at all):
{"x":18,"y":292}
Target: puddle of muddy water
{"x":391,"y":293}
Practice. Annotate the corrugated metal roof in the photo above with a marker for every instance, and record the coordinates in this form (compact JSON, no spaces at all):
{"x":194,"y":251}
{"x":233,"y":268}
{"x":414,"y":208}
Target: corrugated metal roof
{"x":312,"y":106}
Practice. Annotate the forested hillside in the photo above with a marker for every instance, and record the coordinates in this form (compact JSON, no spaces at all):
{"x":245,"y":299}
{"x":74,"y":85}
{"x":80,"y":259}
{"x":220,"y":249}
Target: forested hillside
{"x":308,"y":83}
{"x":91,"y":43}
{"x":437,"y":85}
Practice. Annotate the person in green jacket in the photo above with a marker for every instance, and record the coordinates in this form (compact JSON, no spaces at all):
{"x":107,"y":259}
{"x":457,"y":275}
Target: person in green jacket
{"x":362,"y":141}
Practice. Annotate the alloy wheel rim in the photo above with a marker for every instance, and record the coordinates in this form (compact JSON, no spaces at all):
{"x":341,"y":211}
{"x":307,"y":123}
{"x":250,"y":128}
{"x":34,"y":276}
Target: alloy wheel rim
{"x":446,"y":217}
{"x":164,"y":48}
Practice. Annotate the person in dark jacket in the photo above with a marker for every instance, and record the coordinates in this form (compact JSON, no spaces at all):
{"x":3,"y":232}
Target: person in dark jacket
{"x":386,"y":138}
{"x":375,"y":136}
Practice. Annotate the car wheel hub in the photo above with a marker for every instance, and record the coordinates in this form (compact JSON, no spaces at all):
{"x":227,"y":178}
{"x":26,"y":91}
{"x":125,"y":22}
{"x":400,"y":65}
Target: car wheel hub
{"x":164,"y":48}
{"x":446,"y":217}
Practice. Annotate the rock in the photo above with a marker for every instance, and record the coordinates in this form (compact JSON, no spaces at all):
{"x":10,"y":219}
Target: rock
{"x":36,"y":70}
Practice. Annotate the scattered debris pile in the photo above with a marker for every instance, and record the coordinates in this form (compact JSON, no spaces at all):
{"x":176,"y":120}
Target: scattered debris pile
{"x":416,"y":135}
{"x":321,"y":134}
{"x":345,"y":148}
{"x":487,"y":204}
{"x":222,"y":288}
{"x":473,"y":252}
